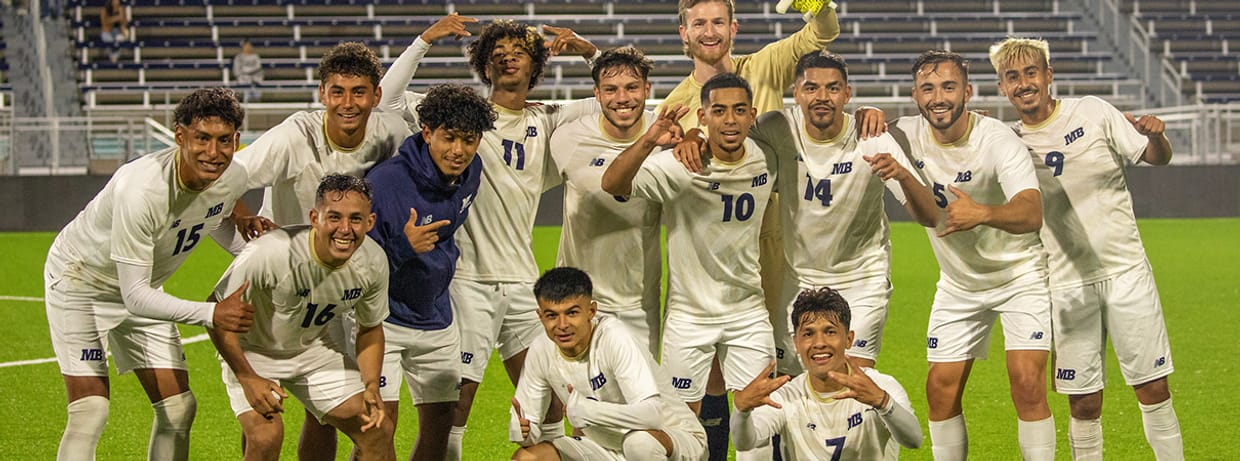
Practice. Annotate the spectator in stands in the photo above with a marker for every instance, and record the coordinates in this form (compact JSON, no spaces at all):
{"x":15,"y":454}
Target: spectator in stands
{"x":114,"y":24}
{"x":247,"y":69}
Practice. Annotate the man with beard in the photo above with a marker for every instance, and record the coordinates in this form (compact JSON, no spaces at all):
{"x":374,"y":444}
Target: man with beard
{"x":714,"y":301}
{"x":599,"y":226}
{"x":492,"y":291}
{"x":990,"y":258}
{"x":1101,"y":282}
{"x":300,"y":279}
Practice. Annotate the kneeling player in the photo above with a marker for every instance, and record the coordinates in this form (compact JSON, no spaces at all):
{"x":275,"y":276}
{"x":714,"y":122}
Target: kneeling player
{"x":859,"y":412}
{"x":301,"y":279}
{"x":615,"y":394}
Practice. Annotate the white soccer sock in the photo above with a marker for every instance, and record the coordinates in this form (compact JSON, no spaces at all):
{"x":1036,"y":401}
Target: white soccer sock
{"x":87,"y":416}
{"x":1162,"y":430}
{"x":642,"y":445}
{"x":1085,"y":438}
{"x":949,"y":439}
{"x":1037,"y":439}
{"x":170,"y":431}
{"x":455,"y":436}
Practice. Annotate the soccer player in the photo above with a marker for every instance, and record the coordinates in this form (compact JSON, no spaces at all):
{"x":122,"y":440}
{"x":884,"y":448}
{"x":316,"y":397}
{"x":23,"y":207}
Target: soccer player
{"x":1101,"y":282}
{"x":837,"y":232}
{"x":991,"y":262}
{"x":344,"y":137}
{"x":859,"y":412}
{"x":301,"y":279}
{"x":104,"y":271}
{"x":492,"y":291}
{"x":715,"y":298}
{"x":599,"y":226}
{"x":422,"y":197}
{"x":707,"y":29}
{"x":620,"y":399}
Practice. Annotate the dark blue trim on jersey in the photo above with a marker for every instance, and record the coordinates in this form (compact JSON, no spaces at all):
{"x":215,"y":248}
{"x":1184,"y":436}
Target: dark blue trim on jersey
{"x":418,"y":288}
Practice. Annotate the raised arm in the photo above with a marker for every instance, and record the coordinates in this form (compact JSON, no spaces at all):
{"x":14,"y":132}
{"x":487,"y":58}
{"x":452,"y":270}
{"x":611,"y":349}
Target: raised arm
{"x":1158,"y":150}
{"x":618,"y":179}
{"x":397,"y":77}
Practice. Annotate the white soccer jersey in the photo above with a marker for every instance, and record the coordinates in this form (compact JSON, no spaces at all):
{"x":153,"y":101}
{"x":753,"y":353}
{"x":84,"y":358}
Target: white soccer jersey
{"x":296,"y":296}
{"x":615,"y":370}
{"x":1079,"y":154}
{"x":614,"y":239}
{"x":813,"y":426}
{"x":293,"y":157}
{"x":835,"y":202}
{"x":144,"y":217}
{"x":713,"y":220}
{"x":497,"y":240}
{"x":991,"y":165}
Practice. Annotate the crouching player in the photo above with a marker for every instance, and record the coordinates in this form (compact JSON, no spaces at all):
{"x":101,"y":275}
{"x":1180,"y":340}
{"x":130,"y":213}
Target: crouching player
{"x":613,"y":391}
{"x":859,"y":412}
{"x":301,"y":280}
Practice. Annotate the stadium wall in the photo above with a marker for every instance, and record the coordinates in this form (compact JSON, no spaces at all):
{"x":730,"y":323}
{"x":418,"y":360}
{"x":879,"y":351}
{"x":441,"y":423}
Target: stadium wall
{"x":47,"y":203}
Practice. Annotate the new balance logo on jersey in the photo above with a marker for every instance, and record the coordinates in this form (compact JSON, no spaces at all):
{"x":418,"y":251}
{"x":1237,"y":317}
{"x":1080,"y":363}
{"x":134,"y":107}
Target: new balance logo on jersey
{"x":1073,"y":136}
{"x":176,"y":224}
{"x":302,"y":293}
{"x":842,"y":168}
{"x":598,"y":381}
{"x":811,"y":426}
{"x":800,"y":158}
{"x":1036,"y":335}
{"x":217,"y":209}
{"x":932,"y":342}
{"x":919,"y":164}
{"x":467,"y":357}
{"x":1065,"y":374}
{"x":351,"y":293}
{"x":860,"y":343}
{"x":854,"y":420}
{"x":466,"y":202}
{"x":714,"y":186}
{"x":1160,"y":361}
{"x":427,"y":219}
{"x":681,"y":383}
{"x":531,"y":131}
{"x":759,"y":180}
{"x":964,"y":176}
{"x":597,"y":162}
{"x":92,"y":354}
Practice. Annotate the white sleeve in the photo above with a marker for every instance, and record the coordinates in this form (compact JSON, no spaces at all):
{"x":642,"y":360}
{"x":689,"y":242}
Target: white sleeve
{"x":887,"y":144}
{"x":1120,"y":135}
{"x":373,"y":308}
{"x":1012,"y":163}
{"x":660,"y":178}
{"x":754,"y":427}
{"x":898,"y":416}
{"x":633,"y":416}
{"x":396,"y":80}
{"x":532,"y":394}
{"x":227,"y":237}
{"x":141,"y":299}
{"x":625,"y":362}
{"x":564,"y":114}
{"x":266,"y":160}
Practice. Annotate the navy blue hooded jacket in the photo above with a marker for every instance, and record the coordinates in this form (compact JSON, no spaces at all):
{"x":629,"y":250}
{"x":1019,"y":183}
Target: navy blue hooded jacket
{"x":418,"y":292}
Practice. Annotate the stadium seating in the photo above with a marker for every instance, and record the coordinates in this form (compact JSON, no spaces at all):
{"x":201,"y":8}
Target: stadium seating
{"x":1196,"y":38}
{"x":180,"y":45}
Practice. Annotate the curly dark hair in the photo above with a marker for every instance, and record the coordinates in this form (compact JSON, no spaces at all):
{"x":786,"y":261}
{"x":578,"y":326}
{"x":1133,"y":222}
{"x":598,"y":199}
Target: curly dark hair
{"x":205,"y":103}
{"x":353,"y":59}
{"x":935,"y":57}
{"x":820,"y":303}
{"x":457,"y":108}
{"x":341,"y":184}
{"x":623,"y":59}
{"x":821,"y":60}
{"x":562,"y":283}
{"x":480,"y":50}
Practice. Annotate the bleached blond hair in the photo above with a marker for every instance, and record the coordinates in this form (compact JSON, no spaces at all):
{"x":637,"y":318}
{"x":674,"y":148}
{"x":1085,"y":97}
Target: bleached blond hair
{"x":1012,"y":49}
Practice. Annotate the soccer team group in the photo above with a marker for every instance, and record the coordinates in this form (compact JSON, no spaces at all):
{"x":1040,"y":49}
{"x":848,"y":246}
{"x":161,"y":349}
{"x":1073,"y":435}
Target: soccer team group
{"x":777,"y":243}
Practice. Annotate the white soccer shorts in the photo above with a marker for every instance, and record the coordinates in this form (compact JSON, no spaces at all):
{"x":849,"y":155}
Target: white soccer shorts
{"x":84,"y":329}
{"x":428,"y":360}
{"x":320,"y":378}
{"x":1128,"y":310}
{"x":745,"y":346}
{"x":867,"y":304}
{"x":490,"y":315}
{"x":960,"y":321}
{"x":686,"y":446}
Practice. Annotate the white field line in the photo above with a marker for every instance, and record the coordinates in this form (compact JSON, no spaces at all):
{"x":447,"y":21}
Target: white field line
{"x":21,"y":298}
{"x":18,"y":363}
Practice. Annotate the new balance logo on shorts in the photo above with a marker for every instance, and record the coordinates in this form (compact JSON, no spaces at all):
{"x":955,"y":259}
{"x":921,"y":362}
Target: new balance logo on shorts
{"x":1160,"y":361}
{"x":681,"y":383}
{"x":1065,"y":374}
{"x":854,"y":420}
{"x":932,"y":342}
{"x":467,"y":357}
{"x":1036,"y":335}
{"x":597,"y":381}
{"x":92,"y":354}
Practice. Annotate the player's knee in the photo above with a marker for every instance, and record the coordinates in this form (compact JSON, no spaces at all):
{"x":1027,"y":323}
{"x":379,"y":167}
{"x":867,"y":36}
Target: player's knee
{"x":1153,"y":392}
{"x":523,"y":454}
{"x":176,"y":413}
{"x":1086,"y":406}
{"x":264,"y":441}
{"x":88,"y":415}
{"x":643,"y":445}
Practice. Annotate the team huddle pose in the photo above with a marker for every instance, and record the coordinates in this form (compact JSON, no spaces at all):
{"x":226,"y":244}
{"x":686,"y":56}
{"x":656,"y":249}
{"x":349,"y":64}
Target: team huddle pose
{"x":394,"y":244}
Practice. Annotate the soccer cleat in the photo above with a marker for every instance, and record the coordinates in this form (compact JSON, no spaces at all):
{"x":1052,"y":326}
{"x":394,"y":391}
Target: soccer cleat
{"x":809,"y":7}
